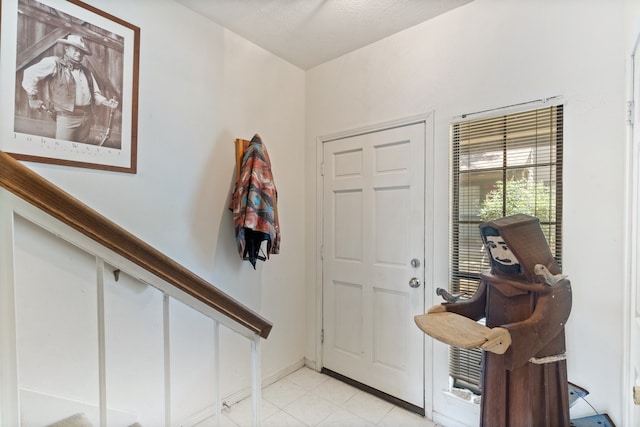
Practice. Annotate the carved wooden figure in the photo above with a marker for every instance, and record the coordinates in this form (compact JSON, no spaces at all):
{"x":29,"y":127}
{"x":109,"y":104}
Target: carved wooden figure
{"x":526,"y":303}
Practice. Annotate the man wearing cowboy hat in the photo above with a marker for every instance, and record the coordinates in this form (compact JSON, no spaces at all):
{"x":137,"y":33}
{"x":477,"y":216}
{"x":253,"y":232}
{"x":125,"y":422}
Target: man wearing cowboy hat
{"x":69,"y":91}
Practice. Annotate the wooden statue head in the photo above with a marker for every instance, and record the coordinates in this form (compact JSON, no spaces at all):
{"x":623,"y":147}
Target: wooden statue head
{"x":515,"y":244}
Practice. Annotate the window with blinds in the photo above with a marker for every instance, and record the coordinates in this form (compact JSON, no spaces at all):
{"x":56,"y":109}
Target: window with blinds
{"x":501,"y":166}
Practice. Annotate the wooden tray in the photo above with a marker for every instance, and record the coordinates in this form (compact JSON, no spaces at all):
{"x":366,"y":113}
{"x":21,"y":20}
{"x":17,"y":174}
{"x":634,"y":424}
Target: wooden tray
{"x":453,"y":329}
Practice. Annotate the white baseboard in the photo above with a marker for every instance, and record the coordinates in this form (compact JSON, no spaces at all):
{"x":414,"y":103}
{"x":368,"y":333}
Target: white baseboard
{"x":311,"y":364}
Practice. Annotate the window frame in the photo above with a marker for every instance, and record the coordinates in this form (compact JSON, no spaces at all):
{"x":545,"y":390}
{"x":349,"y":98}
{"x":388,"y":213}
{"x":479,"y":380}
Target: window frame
{"x":469,"y":377}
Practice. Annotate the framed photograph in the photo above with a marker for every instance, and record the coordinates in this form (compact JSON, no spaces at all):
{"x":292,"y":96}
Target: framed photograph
{"x":69,"y":85}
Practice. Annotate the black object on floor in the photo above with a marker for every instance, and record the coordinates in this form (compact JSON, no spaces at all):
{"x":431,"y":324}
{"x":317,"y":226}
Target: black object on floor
{"x":600,"y":420}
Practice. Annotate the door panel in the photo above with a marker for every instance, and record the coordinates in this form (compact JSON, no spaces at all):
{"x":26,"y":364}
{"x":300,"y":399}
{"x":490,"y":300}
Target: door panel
{"x":373,"y":226}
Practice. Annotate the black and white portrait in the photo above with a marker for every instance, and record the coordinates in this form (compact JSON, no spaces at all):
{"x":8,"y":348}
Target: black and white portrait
{"x":75,"y":85}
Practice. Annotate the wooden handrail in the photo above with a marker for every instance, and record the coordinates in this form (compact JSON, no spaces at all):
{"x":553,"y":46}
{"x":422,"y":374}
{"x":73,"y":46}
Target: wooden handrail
{"x":26,"y":184}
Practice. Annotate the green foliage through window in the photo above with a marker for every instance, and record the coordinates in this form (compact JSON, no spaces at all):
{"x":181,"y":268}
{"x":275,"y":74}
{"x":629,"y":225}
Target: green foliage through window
{"x":521,"y":196}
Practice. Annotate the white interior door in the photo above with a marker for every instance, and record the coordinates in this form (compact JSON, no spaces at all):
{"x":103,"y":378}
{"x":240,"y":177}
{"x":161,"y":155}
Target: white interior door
{"x":373,"y":245}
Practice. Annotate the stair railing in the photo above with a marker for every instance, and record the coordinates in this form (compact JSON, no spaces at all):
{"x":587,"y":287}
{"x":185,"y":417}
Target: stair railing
{"x":27,"y":195}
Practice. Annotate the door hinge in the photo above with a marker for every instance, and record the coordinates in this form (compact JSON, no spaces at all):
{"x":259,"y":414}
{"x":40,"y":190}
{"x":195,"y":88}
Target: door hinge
{"x":322,"y":169}
{"x":322,"y":336}
{"x":321,"y":252}
{"x":630,"y":111}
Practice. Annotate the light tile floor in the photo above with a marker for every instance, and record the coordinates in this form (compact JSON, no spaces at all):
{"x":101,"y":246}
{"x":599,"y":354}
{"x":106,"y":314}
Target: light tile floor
{"x":308,"y":398}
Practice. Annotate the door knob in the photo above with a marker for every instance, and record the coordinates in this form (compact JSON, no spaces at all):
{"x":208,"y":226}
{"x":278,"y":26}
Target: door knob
{"x":414,"y":282}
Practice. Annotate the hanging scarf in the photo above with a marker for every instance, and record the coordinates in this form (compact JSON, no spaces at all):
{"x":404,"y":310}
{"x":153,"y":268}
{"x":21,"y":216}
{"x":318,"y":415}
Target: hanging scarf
{"x":254,"y":205}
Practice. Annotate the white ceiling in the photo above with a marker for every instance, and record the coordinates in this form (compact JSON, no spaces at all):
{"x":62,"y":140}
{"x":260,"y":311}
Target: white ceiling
{"x":307,"y":33}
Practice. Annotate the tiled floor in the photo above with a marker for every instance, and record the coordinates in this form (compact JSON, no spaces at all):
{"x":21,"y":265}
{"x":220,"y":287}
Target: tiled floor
{"x":308,"y":398}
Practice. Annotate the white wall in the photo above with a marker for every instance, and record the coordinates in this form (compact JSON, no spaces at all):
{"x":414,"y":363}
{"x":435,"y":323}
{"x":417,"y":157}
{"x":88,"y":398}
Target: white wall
{"x":200,"y":87}
{"x":490,"y":54}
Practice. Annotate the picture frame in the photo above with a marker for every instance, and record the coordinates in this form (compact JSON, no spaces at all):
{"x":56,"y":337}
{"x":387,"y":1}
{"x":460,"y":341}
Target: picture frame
{"x":40,"y":118}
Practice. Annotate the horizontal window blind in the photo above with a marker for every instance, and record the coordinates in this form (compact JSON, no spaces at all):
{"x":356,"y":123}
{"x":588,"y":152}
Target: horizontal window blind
{"x":501,"y":166}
